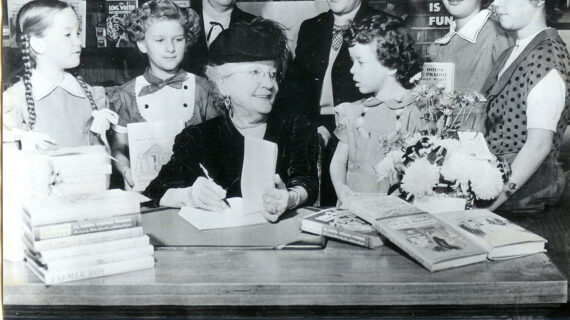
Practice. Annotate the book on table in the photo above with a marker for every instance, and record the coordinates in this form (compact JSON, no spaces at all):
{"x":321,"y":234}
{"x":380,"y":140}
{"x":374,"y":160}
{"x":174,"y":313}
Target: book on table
{"x":500,"y":237}
{"x":430,"y":241}
{"x":340,"y":224}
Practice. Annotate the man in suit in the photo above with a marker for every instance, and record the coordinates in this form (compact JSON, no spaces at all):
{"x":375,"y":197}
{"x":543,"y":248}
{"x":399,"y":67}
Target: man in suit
{"x":215,"y":16}
{"x":319,"y":77}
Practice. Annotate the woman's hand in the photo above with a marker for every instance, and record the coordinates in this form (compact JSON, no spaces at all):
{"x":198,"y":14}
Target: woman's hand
{"x":128,"y":177}
{"x":36,"y":141}
{"x":275,"y":200}
{"x":208,"y":195}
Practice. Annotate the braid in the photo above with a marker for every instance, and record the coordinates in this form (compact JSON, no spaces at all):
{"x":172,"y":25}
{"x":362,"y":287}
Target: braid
{"x":87,"y":92}
{"x":25,"y":49}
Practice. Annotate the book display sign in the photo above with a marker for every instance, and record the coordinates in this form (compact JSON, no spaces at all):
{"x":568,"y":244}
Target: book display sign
{"x":116,"y":12}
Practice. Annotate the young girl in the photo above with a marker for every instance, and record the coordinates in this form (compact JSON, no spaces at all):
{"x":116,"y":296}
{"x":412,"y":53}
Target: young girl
{"x":163,"y":31}
{"x":473,"y":44}
{"x":384,"y":65}
{"x":50,"y":106}
{"x":528,"y":105}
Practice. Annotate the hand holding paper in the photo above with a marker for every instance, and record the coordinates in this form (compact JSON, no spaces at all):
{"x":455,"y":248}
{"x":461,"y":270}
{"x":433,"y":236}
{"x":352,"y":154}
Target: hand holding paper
{"x":275,"y":200}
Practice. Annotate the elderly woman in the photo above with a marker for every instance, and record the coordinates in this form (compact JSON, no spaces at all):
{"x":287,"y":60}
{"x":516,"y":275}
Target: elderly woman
{"x":244,"y":63}
{"x":528,"y":103}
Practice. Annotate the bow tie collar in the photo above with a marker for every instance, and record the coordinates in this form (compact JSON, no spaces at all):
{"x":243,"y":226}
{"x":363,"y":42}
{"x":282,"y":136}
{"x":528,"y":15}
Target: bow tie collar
{"x":156,"y":83}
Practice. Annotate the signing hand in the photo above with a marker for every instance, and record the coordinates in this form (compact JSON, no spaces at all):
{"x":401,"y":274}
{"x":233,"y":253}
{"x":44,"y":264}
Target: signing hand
{"x":208,"y":195}
{"x":275,"y":200}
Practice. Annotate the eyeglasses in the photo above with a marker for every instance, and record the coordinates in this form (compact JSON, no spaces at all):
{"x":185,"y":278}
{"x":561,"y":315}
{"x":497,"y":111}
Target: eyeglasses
{"x":258,"y":75}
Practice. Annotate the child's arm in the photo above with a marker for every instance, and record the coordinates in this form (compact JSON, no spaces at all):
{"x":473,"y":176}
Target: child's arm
{"x":119,"y":150}
{"x":338,"y":172}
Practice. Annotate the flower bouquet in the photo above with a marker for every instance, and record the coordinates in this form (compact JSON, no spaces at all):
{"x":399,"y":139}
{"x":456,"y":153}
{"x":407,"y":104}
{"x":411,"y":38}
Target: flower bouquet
{"x":428,"y":167}
{"x":445,"y":112}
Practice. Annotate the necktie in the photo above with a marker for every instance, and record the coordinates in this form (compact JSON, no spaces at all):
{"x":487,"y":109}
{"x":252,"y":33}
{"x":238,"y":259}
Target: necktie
{"x":175,"y":82}
{"x":213,"y":24}
{"x":338,"y":33}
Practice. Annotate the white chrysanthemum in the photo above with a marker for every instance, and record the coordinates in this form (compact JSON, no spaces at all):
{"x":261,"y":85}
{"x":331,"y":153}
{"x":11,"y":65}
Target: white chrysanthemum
{"x":451,"y":145}
{"x":487,"y":184}
{"x":457,"y":167}
{"x":420,"y":178}
{"x":387,"y":166}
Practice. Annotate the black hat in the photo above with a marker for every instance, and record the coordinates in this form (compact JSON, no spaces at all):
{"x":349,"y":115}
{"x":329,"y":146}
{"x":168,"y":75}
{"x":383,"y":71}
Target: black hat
{"x":260,"y":39}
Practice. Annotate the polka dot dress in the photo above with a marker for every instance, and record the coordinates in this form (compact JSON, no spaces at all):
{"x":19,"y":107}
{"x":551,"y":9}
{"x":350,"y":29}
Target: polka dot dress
{"x":507,"y":110}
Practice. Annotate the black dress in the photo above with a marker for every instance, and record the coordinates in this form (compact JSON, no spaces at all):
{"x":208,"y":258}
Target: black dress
{"x":219,"y":146}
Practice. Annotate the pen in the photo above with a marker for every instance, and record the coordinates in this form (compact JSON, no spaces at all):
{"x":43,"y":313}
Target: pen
{"x":210,"y":178}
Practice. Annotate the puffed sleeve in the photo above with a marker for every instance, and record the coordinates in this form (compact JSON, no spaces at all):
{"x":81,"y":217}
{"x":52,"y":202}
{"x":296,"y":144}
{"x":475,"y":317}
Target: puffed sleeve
{"x":342,"y":114}
{"x":183,"y":168}
{"x":208,"y":101}
{"x":300,"y":154}
{"x":123,"y":102}
{"x":13,"y":102}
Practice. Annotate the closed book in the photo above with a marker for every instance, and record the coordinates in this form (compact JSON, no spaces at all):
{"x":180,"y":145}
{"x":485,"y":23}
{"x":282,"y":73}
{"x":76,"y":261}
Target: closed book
{"x":81,"y":239}
{"x":81,"y":184}
{"x":501,"y":238}
{"x":340,"y":224}
{"x":88,"y":249}
{"x":53,"y":277}
{"x":51,"y":210}
{"x":440,"y":74}
{"x":109,"y":256}
{"x":73,"y":228}
{"x":430,"y":241}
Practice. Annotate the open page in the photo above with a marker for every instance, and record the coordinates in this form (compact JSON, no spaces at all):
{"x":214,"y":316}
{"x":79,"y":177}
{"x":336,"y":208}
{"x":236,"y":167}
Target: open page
{"x":258,"y":171}
{"x":150,"y":147}
{"x":230,"y":218}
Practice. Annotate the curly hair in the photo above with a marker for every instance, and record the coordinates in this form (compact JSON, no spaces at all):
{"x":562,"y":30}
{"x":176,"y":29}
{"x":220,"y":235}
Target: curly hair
{"x":395,"y":48}
{"x":138,"y":20}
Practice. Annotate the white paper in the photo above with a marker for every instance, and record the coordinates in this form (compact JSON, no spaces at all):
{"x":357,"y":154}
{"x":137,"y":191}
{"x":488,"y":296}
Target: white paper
{"x":229,"y":218}
{"x":150,"y":147}
{"x":258,"y":172}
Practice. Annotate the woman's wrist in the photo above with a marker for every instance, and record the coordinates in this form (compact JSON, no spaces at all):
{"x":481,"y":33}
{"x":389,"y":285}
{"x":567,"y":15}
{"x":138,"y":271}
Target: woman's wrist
{"x":297,"y":196}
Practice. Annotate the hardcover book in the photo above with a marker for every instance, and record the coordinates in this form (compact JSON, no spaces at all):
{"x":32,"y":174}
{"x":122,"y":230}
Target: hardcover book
{"x":439,"y":74}
{"x":500,"y":237}
{"x":340,"y":224}
{"x":432,"y":242}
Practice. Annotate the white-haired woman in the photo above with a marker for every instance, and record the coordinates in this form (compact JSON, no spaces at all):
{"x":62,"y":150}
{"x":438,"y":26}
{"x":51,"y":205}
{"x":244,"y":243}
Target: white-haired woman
{"x":245,"y":63}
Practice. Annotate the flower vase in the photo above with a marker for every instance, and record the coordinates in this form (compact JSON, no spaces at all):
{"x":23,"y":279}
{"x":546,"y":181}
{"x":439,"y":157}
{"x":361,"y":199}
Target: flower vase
{"x":470,"y":118}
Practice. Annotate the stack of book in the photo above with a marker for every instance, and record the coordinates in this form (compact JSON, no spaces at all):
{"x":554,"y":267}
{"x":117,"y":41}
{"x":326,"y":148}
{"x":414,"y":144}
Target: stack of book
{"x":85,"y":236}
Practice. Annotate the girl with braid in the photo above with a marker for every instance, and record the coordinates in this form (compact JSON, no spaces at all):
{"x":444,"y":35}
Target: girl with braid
{"x":50,"y":107}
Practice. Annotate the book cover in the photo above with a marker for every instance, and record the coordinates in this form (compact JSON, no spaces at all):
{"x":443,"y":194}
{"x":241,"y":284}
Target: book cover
{"x":150,"y":147}
{"x":439,"y":74}
{"x":78,"y":240}
{"x":500,"y":237}
{"x":48,"y":277}
{"x":85,"y":226}
{"x":109,"y":256}
{"x":117,"y":10}
{"x":45,"y":256}
{"x":340,"y":224}
{"x":430,"y":241}
{"x":54,"y":209}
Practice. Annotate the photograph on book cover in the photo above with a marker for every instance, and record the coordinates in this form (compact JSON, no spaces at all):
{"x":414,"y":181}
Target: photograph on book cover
{"x":101,"y":102}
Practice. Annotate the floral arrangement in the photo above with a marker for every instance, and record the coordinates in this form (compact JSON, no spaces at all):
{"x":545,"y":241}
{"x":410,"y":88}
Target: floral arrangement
{"x":445,"y":112}
{"x":425,"y":166}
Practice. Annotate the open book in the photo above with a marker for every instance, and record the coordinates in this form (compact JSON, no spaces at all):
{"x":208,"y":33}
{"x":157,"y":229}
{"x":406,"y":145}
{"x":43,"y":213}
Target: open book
{"x":432,"y":242}
{"x":260,"y":159}
{"x":500,"y":237}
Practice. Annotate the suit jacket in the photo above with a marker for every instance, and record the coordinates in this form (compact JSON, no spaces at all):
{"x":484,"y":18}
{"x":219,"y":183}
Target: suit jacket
{"x":301,"y":90}
{"x":197,"y":56}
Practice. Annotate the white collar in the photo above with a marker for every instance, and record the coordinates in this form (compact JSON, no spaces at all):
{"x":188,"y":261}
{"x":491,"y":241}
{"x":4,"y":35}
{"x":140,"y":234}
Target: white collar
{"x":522,"y":43}
{"x":345,"y":19}
{"x":211,"y":15}
{"x":470,"y":31}
{"x":42,"y":87}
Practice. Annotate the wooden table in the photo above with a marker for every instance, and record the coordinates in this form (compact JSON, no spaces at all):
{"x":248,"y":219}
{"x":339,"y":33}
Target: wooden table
{"x":339,"y":275}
